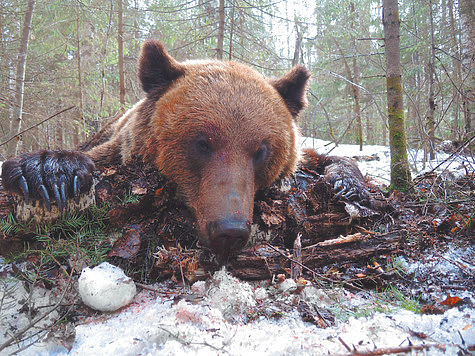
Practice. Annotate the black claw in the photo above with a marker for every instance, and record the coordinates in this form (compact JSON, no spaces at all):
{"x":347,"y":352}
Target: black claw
{"x":24,"y":189}
{"x":337,"y":195}
{"x":57,"y":197}
{"x":338,"y":186}
{"x":63,"y":195}
{"x":76,"y":189}
{"x":44,"y":194}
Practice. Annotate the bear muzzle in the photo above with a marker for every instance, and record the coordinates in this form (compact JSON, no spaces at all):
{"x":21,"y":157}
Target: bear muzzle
{"x":228,"y":235}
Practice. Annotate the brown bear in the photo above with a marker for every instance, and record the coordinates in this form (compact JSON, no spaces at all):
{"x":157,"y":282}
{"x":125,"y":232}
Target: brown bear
{"x":219,"y":130}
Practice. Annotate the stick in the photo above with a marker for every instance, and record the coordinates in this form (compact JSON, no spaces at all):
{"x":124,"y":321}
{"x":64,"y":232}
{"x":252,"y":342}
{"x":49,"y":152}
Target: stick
{"x":36,"y":125}
{"x":394,"y":350}
{"x":37,"y":320}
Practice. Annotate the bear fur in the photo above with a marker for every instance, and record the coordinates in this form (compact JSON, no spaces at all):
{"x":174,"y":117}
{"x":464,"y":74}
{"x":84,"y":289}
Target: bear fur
{"x":220,"y":130}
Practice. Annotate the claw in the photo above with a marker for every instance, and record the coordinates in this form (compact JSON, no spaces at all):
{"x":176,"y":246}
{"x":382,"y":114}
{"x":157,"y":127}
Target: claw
{"x":76,"y":189}
{"x":44,"y":194}
{"x":339,"y":188}
{"x":351,"y":194}
{"x":24,"y":189}
{"x":57,"y":197}
{"x":63,"y":195}
{"x":338,"y":185}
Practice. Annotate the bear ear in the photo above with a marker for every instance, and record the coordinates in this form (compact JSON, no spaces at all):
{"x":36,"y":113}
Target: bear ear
{"x":292,"y":87}
{"x":156,"y":68}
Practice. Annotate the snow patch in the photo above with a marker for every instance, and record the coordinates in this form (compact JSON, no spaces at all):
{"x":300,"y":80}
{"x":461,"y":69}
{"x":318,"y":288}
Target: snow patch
{"x":105,"y":287}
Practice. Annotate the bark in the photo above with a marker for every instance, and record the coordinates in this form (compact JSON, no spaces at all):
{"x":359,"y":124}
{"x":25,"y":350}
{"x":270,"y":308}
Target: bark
{"x":103,"y":69}
{"x":80,"y":124}
{"x":467,"y":17}
{"x":298,"y":44}
{"x":12,"y":148}
{"x":220,"y":44}
{"x":120,"y":43}
{"x":356,"y":96}
{"x":251,"y":265}
{"x":431,"y":73}
{"x":400,"y":174}
{"x":231,"y":32}
{"x":457,"y":71}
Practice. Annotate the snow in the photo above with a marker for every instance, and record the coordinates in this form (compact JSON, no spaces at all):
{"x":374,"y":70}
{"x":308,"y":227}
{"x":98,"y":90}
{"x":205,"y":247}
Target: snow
{"x":374,"y":161}
{"x":218,"y":324}
{"x":227,"y":316}
{"x":105,"y":287}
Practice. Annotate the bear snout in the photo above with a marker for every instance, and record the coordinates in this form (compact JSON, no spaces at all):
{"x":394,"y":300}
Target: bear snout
{"x":228,"y":235}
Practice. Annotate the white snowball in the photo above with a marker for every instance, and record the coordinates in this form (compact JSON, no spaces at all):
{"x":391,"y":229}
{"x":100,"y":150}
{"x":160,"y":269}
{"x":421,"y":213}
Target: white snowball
{"x":105,"y":287}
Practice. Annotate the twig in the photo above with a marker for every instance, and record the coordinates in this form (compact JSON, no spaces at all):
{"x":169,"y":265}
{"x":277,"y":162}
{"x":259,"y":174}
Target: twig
{"x":19,"y":333}
{"x":344,"y":344}
{"x":296,"y":268}
{"x":457,"y":264}
{"x":394,"y":350}
{"x":326,"y":279}
{"x":37,"y":124}
{"x":468,"y":142}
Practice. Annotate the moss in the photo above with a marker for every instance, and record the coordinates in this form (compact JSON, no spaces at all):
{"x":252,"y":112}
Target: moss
{"x":400,"y":174}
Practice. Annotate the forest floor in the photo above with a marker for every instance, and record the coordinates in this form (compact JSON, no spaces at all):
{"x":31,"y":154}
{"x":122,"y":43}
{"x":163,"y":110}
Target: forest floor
{"x":416,"y":297}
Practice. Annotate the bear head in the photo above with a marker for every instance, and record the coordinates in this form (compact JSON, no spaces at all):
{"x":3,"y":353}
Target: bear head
{"x":220,"y":131}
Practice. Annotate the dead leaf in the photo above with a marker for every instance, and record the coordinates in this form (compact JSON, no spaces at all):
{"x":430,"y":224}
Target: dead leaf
{"x":128,"y":246}
{"x":451,"y":301}
{"x":139,"y":190}
{"x":272,"y":219}
{"x":109,"y":172}
{"x":431,"y":310}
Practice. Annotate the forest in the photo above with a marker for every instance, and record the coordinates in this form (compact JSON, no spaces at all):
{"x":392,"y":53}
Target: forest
{"x":68,"y":66}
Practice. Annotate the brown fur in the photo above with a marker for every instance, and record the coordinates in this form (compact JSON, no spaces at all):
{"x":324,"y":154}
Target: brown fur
{"x":220,"y":130}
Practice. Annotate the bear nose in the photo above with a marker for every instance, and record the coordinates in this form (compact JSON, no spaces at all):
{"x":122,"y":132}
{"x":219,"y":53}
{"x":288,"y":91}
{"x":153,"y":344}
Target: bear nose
{"x":228,"y":235}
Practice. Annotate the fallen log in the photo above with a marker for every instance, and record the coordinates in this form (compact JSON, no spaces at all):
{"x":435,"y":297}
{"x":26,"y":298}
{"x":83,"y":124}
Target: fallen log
{"x":260,"y":262}
{"x":151,"y":217}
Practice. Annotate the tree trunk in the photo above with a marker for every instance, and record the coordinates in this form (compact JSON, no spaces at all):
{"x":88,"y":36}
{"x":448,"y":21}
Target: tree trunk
{"x":120,"y":43}
{"x":356,"y":96}
{"x":15,"y":125}
{"x":400,"y":174}
{"x":220,"y":44}
{"x":80,"y":123}
{"x":467,"y":16}
{"x":231,"y":32}
{"x":298,"y":44}
{"x":431,"y":73}
{"x":457,"y":72}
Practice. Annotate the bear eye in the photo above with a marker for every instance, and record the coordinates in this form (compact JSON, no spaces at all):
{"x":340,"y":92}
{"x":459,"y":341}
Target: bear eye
{"x":203,"y":146}
{"x":261,"y":154}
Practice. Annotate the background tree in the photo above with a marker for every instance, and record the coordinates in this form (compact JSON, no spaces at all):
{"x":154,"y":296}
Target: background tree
{"x":400,"y":173}
{"x":73,"y":60}
{"x":17,"y":109}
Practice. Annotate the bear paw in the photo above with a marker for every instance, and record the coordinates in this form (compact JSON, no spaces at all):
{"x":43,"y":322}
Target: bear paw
{"x":351,"y":189}
{"x":347,"y":181}
{"x":45,"y":174}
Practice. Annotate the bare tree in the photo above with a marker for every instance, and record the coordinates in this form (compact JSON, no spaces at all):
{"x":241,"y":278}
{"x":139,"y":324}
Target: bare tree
{"x":16,"y":120}
{"x":467,"y":16}
{"x":220,"y":44}
{"x":400,"y":173}
{"x":80,"y":123}
{"x":120,"y":43}
{"x":431,"y":73}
